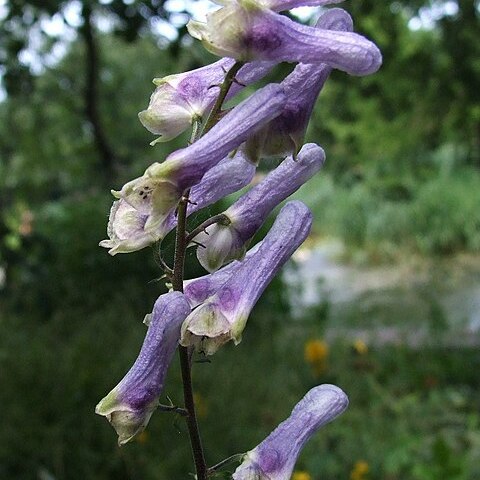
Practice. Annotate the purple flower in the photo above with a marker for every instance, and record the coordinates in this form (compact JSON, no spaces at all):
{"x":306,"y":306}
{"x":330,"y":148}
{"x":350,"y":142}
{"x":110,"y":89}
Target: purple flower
{"x":129,"y":406}
{"x":285,"y":134}
{"x":155,"y":194}
{"x":126,"y":225}
{"x":222,"y":317}
{"x":275,"y":457}
{"x":223,"y":242}
{"x":181,"y":99}
{"x":247,"y":31}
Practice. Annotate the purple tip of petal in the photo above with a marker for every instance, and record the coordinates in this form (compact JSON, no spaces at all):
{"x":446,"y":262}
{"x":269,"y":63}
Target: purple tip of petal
{"x":228,"y":134}
{"x":276,"y":456}
{"x":346,"y":51}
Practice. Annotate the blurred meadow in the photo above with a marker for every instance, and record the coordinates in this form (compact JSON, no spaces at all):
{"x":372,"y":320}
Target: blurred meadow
{"x":383,"y":299}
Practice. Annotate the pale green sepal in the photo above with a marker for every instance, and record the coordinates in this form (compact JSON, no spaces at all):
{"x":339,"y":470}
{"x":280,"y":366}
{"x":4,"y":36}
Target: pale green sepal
{"x":207,"y":329}
{"x":126,"y":422}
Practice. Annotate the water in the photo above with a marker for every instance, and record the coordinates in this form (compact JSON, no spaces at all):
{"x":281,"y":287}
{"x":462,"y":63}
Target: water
{"x":418,"y":302}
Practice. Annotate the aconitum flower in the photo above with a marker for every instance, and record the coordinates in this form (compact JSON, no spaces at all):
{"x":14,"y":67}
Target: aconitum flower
{"x":126,"y":225}
{"x":285,"y":134}
{"x":222,"y":317}
{"x":223,"y":242}
{"x":129,"y":406}
{"x":246,"y":31}
{"x":275,"y":457}
{"x":154,"y":196}
{"x":181,"y":99}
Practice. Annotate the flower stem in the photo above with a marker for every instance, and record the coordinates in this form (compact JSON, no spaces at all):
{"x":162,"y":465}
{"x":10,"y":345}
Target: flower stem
{"x":224,"y":88}
{"x":177,"y":284}
{"x":220,"y":218}
{"x":185,"y":357}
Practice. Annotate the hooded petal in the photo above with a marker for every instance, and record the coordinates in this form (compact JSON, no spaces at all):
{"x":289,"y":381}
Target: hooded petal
{"x":129,"y":406}
{"x":180,"y":99}
{"x":223,"y":315}
{"x":223,"y":243}
{"x":246,"y":31}
{"x":275,"y":457}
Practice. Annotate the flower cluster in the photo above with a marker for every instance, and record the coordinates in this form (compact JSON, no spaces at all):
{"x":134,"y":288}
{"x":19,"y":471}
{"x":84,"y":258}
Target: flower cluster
{"x":252,"y":37}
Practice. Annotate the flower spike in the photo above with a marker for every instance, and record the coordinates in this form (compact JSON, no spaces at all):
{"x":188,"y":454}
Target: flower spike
{"x":275,"y":457}
{"x":245,"y":30}
{"x":129,"y":406}
{"x":222,"y":317}
{"x":225,"y":242}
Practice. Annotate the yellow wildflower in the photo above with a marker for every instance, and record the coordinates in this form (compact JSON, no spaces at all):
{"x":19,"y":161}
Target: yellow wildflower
{"x":360,"y":470}
{"x":316,"y":351}
{"x":316,"y":354}
{"x":300,"y":475}
{"x":360,"y":347}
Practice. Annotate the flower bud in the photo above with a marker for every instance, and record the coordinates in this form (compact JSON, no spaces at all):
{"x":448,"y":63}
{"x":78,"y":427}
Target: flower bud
{"x":275,"y":457}
{"x":222,"y":243}
{"x":129,"y":406}
{"x":246,"y":31}
{"x":181,"y":99}
{"x":222,"y":317}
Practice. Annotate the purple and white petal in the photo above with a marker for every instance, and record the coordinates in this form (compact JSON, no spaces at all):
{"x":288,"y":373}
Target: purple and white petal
{"x":126,"y":229}
{"x":275,"y":457}
{"x":129,"y":406}
{"x":181,"y":99}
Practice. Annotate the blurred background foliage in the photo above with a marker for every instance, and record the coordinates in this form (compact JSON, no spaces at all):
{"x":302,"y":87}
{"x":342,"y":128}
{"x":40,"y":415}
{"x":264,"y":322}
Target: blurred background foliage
{"x":402,"y":181}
